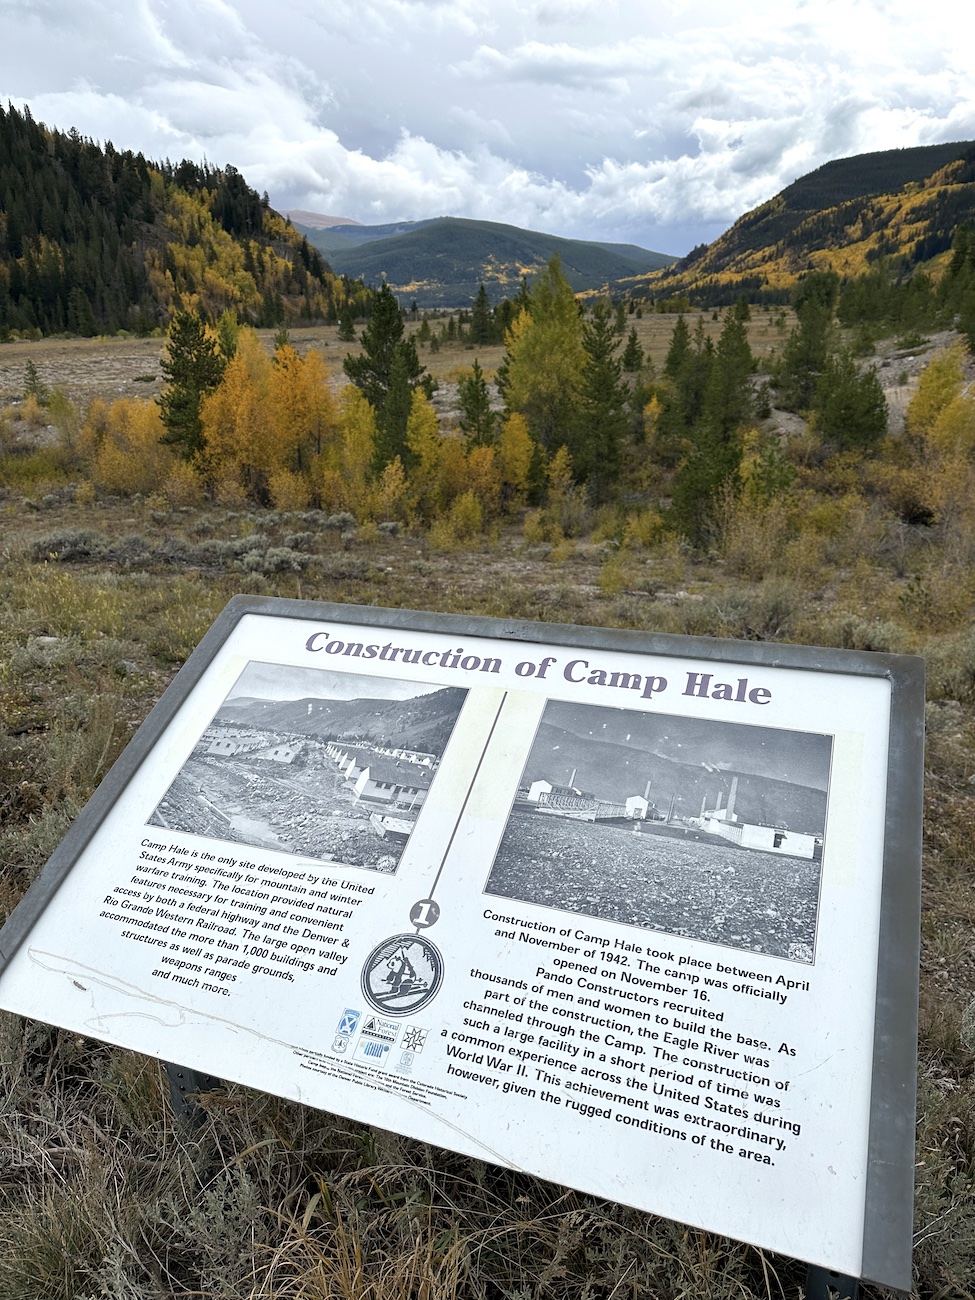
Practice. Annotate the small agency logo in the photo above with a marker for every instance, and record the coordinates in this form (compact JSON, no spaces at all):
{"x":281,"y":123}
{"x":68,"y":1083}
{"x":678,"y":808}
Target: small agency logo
{"x":383,"y":1030}
{"x":345,"y":1029}
{"x":348,"y":1022}
{"x":414,"y":1038}
{"x":372,"y":1052}
{"x":402,"y":975}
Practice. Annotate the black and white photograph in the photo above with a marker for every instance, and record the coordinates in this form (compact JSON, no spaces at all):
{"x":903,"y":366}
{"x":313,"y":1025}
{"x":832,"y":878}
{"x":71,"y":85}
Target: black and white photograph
{"x":699,"y":828}
{"x":329,"y":765}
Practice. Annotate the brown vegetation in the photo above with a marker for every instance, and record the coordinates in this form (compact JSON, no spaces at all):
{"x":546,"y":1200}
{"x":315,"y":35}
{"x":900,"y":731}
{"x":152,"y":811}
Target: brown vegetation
{"x":108,"y":581}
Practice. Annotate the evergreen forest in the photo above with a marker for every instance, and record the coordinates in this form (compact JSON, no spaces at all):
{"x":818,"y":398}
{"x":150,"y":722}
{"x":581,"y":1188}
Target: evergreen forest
{"x":94,"y":240}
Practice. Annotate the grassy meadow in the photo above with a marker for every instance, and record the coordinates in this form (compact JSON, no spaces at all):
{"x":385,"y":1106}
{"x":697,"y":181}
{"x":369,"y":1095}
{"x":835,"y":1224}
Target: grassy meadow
{"x":102,"y":1195}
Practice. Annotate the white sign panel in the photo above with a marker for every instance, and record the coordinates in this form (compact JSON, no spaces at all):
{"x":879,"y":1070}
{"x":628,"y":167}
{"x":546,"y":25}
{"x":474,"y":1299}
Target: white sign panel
{"x":605,"y":915}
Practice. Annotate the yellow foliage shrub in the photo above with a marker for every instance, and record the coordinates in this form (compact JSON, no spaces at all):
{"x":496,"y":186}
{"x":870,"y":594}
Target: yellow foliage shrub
{"x":535,"y":530}
{"x":651,"y":418}
{"x":559,"y":473}
{"x":32,"y":413}
{"x":452,"y":471}
{"x":466,"y":516}
{"x":367,"y":533}
{"x":289,"y":491}
{"x":516,"y":449}
{"x":228,"y":487}
{"x":389,"y":497}
{"x":613,"y":576}
{"x":643,"y":528}
{"x":351,"y":453}
{"x":906,"y":490}
{"x":953,"y":431}
{"x":951,"y":486}
{"x":463,"y":522}
{"x":542,"y":526}
{"x":335,"y":493}
{"x":183,"y":486}
{"x":129,"y":457}
{"x":484,"y":478}
{"x":93,"y":426}
{"x":940,"y":384}
{"x":753,"y":535}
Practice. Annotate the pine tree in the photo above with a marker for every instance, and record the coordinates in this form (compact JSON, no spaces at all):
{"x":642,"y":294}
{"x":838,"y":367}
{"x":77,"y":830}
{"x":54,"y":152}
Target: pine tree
{"x":477,"y":420}
{"x":482,"y":324}
{"x":716,"y":393}
{"x":346,"y":324}
{"x":633,"y":353}
{"x":679,"y":350}
{"x":545,"y":358}
{"x":850,"y":407}
{"x":807,"y":348}
{"x":391,"y":418}
{"x":228,"y":332}
{"x":728,"y":396}
{"x":600,"y":417}
{"x":194,"y":368}
{"x":388,"y":370}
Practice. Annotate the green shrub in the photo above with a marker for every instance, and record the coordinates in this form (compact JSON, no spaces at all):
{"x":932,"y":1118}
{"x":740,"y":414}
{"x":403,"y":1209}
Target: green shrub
{"x":71,"y":546}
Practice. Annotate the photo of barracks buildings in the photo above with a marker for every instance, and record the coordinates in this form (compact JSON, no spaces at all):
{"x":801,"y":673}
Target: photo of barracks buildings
{"x":720,"y":821}
{"x":336,"y":779}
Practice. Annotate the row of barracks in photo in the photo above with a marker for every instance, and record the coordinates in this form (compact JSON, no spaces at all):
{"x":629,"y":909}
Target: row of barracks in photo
{"x":395,"y":778}
{"x":718,"y":823}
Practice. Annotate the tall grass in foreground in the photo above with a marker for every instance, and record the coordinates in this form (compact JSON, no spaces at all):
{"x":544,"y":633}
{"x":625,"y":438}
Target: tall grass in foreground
{"x":103,"y":1198}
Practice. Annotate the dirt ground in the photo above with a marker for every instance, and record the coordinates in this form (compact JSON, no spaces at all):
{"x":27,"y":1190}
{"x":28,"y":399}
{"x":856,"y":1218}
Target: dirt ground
{"x":130,"y":367}
{"x":753,"y":901}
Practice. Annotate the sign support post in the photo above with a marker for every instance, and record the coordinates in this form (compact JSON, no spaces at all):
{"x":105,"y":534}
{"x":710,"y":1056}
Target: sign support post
{"x":185,"y":1086}
{"x":824,"y":1284}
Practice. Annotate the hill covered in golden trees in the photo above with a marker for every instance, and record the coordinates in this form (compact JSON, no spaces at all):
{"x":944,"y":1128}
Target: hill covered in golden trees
{"x":93,"y":240}
{"x":898,"y":209}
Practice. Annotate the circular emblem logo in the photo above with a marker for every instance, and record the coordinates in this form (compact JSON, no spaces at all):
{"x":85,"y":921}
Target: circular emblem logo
{"x":402,"y":975}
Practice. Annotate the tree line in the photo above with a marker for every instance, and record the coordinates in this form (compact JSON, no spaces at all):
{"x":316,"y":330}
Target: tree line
{"x":574,"y":407}
{"x":94,"y":240}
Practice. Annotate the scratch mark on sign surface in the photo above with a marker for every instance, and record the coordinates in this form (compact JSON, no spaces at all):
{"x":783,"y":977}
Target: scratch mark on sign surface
{"x":70,"y":968}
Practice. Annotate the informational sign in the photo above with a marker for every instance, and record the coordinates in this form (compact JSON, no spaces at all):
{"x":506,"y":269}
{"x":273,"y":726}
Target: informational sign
{"x":634,"y":913}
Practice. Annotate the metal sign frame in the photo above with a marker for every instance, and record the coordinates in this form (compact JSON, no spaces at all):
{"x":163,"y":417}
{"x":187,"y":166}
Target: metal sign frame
{"x":888,"y":1195}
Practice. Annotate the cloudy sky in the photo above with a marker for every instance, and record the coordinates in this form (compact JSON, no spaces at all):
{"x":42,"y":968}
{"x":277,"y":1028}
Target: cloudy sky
{"x":652,"y":122}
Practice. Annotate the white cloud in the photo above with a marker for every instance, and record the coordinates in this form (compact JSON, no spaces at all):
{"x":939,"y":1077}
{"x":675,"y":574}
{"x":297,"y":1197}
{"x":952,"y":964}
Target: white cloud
{"x":644,"y":120}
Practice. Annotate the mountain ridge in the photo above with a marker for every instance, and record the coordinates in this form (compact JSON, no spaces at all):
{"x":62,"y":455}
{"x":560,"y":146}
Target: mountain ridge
{"x":441,"y":261}
{"x":94,"y":239}
{"x":899,"y":205}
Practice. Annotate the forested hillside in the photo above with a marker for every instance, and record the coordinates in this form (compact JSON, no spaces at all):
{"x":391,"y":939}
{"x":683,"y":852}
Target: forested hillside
{"x":900,"y":207}
{"x":93,"y":240}
{"x":442,"y":262}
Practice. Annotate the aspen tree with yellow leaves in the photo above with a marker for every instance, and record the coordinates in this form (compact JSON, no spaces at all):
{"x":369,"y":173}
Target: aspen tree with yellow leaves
{"x":516,"y":450}
{"x":424,"y":445}
{"x":545,"y":359}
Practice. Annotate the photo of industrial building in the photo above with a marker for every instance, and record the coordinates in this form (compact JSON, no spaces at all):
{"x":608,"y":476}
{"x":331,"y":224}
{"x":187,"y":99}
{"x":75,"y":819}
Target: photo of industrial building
{"x":708,"y":829}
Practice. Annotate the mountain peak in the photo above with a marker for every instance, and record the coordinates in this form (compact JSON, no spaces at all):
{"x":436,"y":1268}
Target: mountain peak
{"x":317,"y":220}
